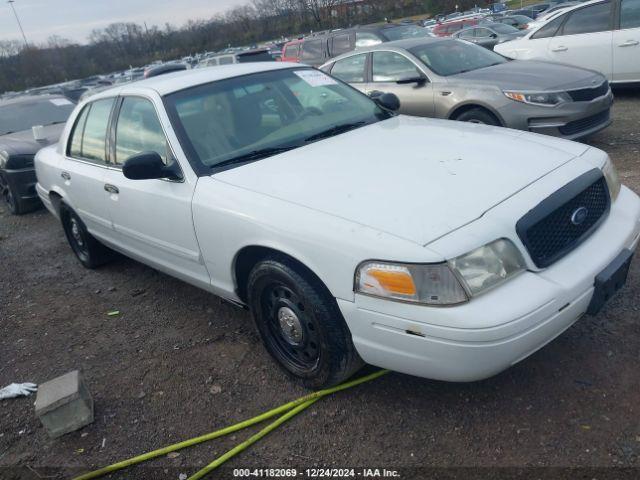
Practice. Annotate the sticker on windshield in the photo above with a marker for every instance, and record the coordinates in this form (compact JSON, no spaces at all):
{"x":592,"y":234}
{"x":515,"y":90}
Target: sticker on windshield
{"x":315,"y":78}
{"x":59,"y":102}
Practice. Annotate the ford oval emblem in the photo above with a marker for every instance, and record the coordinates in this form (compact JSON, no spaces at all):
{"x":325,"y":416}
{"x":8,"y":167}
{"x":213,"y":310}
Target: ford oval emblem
{"x":579,"y":216}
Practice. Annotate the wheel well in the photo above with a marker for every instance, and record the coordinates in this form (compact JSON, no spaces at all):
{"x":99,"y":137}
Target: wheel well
{"x":471,"y":106}
{"x":56,"y":200}
{"x":248,"y":257}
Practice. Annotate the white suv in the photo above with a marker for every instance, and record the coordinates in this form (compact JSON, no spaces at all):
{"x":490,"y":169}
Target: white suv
{"x":436,"y":248}
{"x":599,"y":35}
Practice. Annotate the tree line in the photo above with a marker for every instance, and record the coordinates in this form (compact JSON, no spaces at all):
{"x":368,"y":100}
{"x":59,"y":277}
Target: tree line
{"x":121,"y":45}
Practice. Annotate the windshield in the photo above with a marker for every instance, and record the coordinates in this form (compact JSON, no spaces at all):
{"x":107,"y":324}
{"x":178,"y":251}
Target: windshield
{"x":19,"y":116}
{"x":506,"y":29}
{"x":401,"y":33}
{"x":254,"y":116}
{"x":450,"y":57}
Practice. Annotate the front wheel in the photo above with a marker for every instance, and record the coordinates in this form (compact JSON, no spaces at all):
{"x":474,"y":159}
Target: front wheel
{"x":478,"y":115}
{"x":9,"y":196}
{"x":89,"y":251}
{"x":300,"y":324}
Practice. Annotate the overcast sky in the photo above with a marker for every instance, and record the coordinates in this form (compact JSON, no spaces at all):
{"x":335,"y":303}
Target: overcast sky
{"x":74,"y":19}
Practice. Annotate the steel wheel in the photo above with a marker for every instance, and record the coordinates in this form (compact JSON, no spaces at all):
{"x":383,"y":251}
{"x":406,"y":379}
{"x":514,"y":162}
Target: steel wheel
{"x":292,"y":332}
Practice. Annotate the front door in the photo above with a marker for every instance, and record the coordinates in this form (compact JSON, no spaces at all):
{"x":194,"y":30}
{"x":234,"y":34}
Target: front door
{"x":152,"y":218}
{"x":389,"y":71}
{"x":585,"y":39}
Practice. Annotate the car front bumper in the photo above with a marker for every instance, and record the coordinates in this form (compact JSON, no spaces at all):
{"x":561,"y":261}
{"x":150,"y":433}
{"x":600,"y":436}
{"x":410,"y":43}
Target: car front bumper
{"x":522,"y":316}
{"x":23,"y":184}
{"x":570,"y":120}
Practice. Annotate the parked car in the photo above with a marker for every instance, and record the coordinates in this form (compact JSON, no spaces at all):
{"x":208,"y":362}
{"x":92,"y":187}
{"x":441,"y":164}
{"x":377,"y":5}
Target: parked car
{"x":521,"y":22}
{"x":599,"y":35}
{"x":352,"y":234}
{"x":449,"y":28}
{"x":317,"y":49}
{"x":488,"y":35}
{"x":451,"y":79}
{"x":254,"y":55}
{"x":19,"y":144}
{"x":526,"y":12}
{"x":291,"y":51}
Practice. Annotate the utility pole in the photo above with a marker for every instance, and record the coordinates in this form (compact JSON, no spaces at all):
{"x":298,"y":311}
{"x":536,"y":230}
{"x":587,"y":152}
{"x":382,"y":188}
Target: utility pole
{"x":24,"y":37}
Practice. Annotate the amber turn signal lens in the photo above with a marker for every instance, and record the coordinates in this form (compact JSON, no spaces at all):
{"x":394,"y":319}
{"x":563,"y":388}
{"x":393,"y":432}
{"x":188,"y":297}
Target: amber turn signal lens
{"x":397,"y":282}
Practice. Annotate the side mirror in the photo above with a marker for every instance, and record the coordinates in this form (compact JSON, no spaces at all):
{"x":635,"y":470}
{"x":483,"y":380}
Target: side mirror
{"x":494,"y":35}
{"x":149,"y":166}
{"x":417,"y":80}
{"x":388,"y":101}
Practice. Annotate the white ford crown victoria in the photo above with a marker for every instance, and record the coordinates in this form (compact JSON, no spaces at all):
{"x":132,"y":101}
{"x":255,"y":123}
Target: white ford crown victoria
{"x":440,"y":249}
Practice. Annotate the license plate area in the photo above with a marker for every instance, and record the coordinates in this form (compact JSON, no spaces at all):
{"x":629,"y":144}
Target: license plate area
{"x":609,"y":281}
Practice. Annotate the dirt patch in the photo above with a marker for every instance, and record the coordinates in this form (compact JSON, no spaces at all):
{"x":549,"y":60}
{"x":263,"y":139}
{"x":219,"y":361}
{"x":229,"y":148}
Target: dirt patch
{"x":177,"y":362}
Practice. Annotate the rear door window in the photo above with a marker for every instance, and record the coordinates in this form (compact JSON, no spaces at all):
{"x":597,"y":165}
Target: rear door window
{"x":591,"y":19}
{"x":350,"y":69}
{"x":75,"y":147}
{"x":630,"y":14}
{"x":93,"y":145}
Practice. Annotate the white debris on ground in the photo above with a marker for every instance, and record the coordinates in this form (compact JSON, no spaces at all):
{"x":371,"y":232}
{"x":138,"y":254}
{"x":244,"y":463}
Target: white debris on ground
{"x":18,"y":390}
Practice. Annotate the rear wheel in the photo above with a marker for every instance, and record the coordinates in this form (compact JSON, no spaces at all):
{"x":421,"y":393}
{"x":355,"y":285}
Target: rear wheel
{"x":478,"y":115}
{"x":300,"y":324}
{"x":89,"y":251}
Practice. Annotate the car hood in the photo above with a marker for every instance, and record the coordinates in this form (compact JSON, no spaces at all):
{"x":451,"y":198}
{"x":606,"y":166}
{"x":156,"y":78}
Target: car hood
{"x":533,"y":76}
{"x":22,"y":143}
{"x":415,"y":178}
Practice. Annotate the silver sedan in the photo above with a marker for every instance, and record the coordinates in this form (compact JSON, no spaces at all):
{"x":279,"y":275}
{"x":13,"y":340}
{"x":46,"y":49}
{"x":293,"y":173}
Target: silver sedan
{"x":453,"y":79}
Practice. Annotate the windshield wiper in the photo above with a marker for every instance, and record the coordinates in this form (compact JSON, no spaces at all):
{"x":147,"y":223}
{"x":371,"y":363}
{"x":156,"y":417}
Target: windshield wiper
{"x":255,"y":155}
{"x":55,"y":123}
{"x":338,"y":129}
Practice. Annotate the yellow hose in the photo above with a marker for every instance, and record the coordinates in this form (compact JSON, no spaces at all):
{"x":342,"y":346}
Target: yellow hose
{"x":292,"y":408}
{"x":247,"y":443}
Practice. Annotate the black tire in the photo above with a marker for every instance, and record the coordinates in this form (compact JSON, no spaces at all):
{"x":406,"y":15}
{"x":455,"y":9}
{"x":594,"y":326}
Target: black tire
{"x":315,"y":347}
{"x":9,"y":197}
{"x":89,"y":251}
{"x":478,"y":115}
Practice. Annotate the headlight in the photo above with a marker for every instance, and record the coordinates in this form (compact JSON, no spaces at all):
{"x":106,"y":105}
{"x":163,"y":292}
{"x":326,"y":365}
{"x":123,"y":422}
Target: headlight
{"x":4,"y":157}
{"x":427,"y":284}
{"x":613,"y":180}
{"x":489,"y":265}
{"x":545,"y":99}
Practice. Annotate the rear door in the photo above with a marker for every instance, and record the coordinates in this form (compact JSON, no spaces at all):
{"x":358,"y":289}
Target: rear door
{"x":84,"y":167}
{"x":626,"y":43}
{"x":585,"y":38}
{"x":151,"y":218}
{"x":387,"y":69}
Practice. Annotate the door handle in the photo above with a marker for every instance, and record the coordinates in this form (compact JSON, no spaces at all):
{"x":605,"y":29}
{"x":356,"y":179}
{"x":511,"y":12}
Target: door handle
{"x":629,"y":43}
{"x":559,"y":49}
{"x":65,"y":175}
{"x":111,"y":188}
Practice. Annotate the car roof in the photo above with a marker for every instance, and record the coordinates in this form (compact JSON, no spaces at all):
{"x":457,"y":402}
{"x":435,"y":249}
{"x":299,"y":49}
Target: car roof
{"x":176,"y":81}
{"x":405,"y":44}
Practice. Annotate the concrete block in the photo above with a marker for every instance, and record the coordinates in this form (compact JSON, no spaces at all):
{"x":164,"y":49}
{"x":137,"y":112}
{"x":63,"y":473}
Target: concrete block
{"x":64,"y":404}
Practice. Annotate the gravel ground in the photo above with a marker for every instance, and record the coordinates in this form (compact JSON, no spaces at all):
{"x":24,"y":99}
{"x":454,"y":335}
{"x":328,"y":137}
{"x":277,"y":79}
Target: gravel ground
{"x":177,"y":362}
